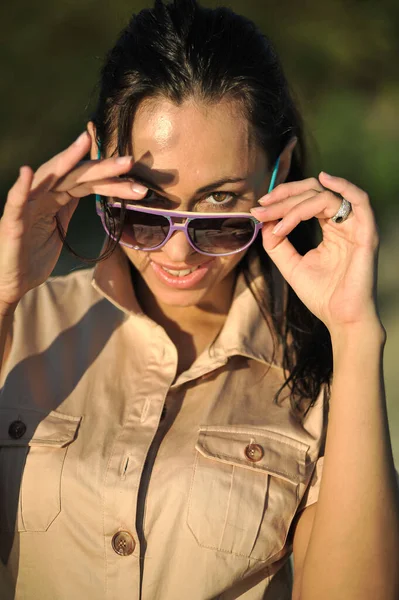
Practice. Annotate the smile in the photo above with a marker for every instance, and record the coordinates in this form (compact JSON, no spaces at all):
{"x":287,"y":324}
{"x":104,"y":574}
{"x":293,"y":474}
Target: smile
{"x":181,"y":273}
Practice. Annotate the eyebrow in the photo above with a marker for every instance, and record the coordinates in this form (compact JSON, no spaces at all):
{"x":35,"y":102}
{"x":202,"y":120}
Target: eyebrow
{"x":206,"y":188}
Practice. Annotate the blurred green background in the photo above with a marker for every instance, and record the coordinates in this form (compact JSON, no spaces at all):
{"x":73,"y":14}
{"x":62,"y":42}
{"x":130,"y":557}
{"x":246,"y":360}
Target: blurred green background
{"x":341,"y":58}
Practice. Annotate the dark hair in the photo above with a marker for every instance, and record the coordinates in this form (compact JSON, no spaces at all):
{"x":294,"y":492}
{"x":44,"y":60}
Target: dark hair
{"x":180,"y":50}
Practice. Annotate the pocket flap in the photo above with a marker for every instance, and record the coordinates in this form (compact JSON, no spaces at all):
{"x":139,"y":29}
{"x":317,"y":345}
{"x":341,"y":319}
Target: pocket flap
{"x":27,"y":427}
{"x":283,"y":456}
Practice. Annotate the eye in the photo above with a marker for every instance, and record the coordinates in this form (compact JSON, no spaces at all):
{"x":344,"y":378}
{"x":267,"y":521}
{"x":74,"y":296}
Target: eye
{"x":220,"y":198}
{"x":156,"y":200}
{"x":150,"y":195}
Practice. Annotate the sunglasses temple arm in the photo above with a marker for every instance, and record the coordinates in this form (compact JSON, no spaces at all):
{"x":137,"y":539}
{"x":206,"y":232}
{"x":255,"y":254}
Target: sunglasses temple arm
{"x":274,"y":176}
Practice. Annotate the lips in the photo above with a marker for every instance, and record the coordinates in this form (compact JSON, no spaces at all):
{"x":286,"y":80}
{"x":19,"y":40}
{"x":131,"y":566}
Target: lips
{"x":180,"y":276}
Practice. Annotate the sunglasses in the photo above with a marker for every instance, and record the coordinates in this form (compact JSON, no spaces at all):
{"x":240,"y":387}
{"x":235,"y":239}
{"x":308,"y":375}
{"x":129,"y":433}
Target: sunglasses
{"x":148,"y":229}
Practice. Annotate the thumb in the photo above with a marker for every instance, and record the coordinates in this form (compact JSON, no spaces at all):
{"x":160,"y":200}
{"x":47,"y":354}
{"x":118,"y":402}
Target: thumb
{"x":280,"y":250}
{"x":65,"y":214}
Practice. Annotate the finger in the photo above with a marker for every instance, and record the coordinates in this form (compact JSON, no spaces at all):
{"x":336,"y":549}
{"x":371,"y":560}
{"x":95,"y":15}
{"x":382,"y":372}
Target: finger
{"x":94,"y":170}
{"x":62,"y":163}
{"x":348,"y":190}
{"x":276,"y":210}
{"x":114,"y":187}
{"x":18,"y":196}
{"x":357,"y":197}
{"x":321,"y":206}
{"x":292,"y":188}
{"x":281,"y":251}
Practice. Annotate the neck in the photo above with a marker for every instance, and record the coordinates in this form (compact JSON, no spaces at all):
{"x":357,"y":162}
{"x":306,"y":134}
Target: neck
{"x":190,"y":328}
{"x":212,"y":310}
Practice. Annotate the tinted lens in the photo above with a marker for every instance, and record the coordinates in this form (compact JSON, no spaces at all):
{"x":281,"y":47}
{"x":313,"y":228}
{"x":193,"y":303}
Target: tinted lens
{"x":140,"y":229}
{"x":220,"y":236}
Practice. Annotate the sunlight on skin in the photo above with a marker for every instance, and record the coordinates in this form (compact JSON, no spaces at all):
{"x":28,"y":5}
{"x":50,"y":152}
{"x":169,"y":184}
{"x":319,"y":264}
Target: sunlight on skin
{"x":197,"y":145}
{"x":163,"y":132}
{"x":182,"y":149}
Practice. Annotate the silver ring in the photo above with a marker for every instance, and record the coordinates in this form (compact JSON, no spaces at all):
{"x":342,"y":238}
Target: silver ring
{"x":343,"y":212}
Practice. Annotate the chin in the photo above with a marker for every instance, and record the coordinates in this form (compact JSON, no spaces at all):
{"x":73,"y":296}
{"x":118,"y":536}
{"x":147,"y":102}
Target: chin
{"x":179,"y":298}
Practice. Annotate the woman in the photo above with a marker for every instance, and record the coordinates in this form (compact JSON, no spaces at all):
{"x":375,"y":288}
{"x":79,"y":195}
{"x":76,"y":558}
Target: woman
{"x":164,"y":415}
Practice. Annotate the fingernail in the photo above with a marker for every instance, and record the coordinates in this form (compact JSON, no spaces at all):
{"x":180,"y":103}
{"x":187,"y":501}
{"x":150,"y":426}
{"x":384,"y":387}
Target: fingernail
{"x":326,"y":175}
{"x":263,"y":199}
{"x":123,"y":160}
{"x":139,"y":189}
{"x":258,"y":211}
{"x":81,"y":138}
{"x":277,"y":228}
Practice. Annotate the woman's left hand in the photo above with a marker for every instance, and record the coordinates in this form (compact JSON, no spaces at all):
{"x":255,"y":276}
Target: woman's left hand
{"x":336,"y":280}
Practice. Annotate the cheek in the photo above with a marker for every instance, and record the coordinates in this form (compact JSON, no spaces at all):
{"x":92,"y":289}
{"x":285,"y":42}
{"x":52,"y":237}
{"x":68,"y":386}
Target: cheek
{"x":226,"y":264}
{"x":140,"y":260}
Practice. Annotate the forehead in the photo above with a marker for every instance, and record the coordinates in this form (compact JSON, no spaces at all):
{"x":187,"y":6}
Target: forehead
{"x":202,"y":141}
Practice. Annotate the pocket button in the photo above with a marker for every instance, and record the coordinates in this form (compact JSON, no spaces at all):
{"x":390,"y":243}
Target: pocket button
{"x":16,"y":430}
{"x":254,"y":452}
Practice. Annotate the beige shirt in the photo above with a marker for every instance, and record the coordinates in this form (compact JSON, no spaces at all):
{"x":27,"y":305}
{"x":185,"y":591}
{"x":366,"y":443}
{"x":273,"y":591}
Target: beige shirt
{"x":119,"y":480}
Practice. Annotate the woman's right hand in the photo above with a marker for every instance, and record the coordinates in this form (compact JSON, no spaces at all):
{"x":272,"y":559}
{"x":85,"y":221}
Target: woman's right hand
{"x":29,"y":241}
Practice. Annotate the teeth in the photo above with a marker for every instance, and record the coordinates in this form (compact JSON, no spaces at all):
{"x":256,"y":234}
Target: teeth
{"x":180,"y":273}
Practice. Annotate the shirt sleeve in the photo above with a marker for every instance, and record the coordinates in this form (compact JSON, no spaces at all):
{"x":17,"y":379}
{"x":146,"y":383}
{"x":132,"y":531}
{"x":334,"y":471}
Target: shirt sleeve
{"x":311,"y":494}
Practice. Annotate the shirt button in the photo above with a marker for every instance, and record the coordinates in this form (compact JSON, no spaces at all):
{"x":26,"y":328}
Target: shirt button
{"x":123,"y":543}
{"x":16,"y":429}
{"x":254,"y":452}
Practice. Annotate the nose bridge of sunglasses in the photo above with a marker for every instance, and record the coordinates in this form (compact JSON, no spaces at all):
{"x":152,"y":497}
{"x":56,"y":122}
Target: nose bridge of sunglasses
{"x":179,"y":235}
{"x":178,"y":244}
{"x":178,"y":222}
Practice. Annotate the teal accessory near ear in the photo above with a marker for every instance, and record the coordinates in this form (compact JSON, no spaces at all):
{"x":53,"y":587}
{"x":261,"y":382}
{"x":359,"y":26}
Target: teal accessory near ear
{"x":274,"y":176}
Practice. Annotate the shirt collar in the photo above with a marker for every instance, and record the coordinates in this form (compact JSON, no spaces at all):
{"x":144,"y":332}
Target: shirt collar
{"x":112,"y":279}
{"x":246,"y":330}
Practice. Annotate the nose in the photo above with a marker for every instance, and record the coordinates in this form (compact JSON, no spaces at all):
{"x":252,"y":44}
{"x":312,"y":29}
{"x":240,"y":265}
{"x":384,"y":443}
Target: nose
{"x":177,"y":248}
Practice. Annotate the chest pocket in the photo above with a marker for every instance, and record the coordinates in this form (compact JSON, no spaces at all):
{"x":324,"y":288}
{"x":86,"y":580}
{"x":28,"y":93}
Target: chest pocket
{"x":245,"y":490}
{"x":33,"y":447}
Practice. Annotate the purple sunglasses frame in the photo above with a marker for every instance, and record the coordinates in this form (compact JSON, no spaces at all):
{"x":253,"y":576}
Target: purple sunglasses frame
{"x":169,"y":214}
{"x":189,"y":218}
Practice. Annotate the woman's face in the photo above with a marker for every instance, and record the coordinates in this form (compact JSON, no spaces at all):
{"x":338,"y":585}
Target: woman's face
{"x":193,"y":158}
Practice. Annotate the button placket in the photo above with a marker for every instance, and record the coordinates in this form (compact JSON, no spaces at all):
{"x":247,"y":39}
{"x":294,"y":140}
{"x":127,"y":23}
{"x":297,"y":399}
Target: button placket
{"x":127,"y":470}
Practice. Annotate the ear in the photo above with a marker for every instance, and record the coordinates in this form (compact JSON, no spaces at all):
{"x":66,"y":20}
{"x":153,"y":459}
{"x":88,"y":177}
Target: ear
{"x":285,"y":160}
{"x":94,"y":144}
